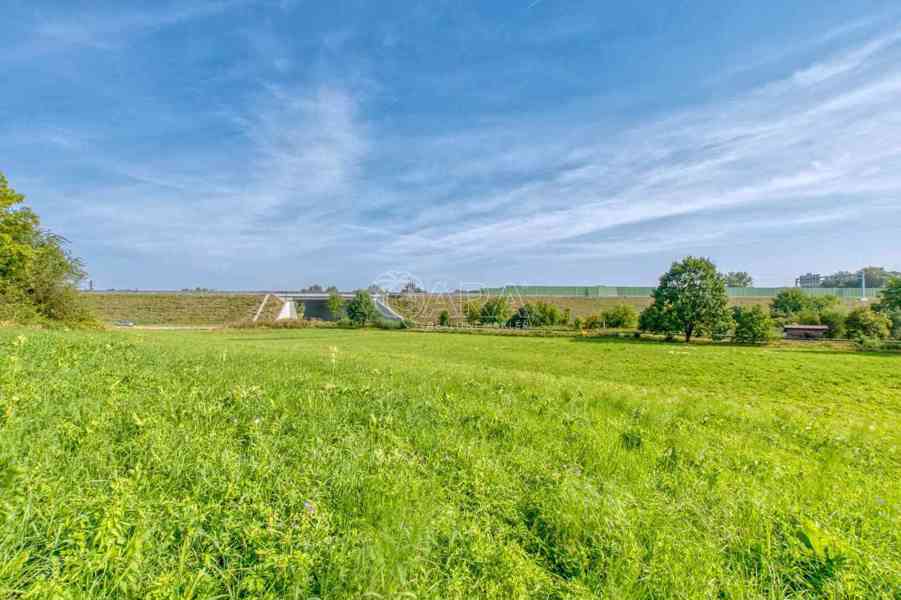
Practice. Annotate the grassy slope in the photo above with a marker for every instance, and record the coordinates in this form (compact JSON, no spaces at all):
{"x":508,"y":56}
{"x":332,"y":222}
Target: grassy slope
{"x":333,"y":462}
{"x":175,"y":309}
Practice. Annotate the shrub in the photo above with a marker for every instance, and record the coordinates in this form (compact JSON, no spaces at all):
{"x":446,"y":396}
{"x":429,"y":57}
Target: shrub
{"x":472,"y":312}
{"x":871,"y":344}
{"x":894,"y":317}
{"x":544,"y":314}
{"x":808,"y":316}
{"x":16,"y":307}
{"x":335,"y":304}
{"x":577,"y":323}
{"x":654,"y":320}
{"x":495,"y":311}
{"x":592,"y":322}
{"x":752,"y":325}
{"x":795,"y":305}
{"x":521,"y":318}
{"x":821,"y":303}
{"x":567,"y":315}
{"x":621,"y":316}
{"x":361,"y":310}
{"x":834,"y":319}
{"x":390,"y":325}
{"x":864,"y":323}
{"x":444,"y":318}
{"x":789,"y":302}
{"x":285,"y":324}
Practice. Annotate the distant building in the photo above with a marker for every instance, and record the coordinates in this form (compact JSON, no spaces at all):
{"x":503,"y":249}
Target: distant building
{"x":810,"y":280}
{"x":804,"y":332}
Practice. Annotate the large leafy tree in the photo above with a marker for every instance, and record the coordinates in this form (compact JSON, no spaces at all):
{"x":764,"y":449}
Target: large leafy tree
{"x":35,"y":267}
{"x":19,"y":235}
{"x":690,"y":299}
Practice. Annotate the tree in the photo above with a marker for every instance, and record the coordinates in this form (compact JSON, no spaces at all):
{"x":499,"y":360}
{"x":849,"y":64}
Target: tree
{"x":472,"y":312}
{"x":522,"y":318}
{"x":620,"y":316}
{"x":495,"y":311}
{"x":361,"y":309}
{"x":788,"y":303}
{"x":444,"y":318}
{"x":656,"y":320}
{"x":35,"y":266}
{"x":894,"y":316}
{"x":834,"y":318}
{"x":890,"y":299}
{"x":690,"y":299}
{"x":18,"y":235}
{"x":335,"y":304}
{"x":592,"y":322}
{"x":865,"y":323}
{"x":875,"y":277}
{"x":542,"y":314}
{"x":752,"y":325}
{"x":808,"y":316}
{"x":738,"y":279}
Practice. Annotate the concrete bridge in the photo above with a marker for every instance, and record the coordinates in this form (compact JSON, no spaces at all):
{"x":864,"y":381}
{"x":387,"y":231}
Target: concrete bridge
{"x":316,"y":305}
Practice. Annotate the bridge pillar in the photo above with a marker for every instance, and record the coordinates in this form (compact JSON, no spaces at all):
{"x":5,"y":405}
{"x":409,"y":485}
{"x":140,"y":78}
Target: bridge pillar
{"x":288,"y":311}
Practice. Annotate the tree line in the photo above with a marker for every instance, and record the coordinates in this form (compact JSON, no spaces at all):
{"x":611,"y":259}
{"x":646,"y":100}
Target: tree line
{"x":691,"y":301}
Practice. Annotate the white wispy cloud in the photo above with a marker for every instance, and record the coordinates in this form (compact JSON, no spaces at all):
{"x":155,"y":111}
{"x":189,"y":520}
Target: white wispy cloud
{"x":793,"y":141}
{"x":110,"y":29}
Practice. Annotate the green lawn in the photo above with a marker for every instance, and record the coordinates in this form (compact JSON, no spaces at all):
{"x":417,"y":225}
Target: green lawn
{"x":331,"y":463}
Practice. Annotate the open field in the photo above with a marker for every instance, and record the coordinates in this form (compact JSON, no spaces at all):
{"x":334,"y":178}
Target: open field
{"x":179,"y":309}
{"x":330,"y":463}
{"x":211,"y":309}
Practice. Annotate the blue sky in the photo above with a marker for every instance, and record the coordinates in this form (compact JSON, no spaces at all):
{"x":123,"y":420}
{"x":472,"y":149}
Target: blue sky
{"x":272,"y":144}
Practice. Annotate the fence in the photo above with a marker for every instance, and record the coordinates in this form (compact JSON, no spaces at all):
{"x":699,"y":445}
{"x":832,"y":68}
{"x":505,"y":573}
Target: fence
{"x":603,"y":291}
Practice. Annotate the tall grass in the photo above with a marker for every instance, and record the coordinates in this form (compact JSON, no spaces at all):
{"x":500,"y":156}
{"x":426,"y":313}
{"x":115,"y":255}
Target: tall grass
{"x":335,"y":464}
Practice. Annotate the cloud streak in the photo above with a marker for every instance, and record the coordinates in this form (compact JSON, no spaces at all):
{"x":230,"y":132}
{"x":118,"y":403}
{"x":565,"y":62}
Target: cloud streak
{"x":806,"y":141}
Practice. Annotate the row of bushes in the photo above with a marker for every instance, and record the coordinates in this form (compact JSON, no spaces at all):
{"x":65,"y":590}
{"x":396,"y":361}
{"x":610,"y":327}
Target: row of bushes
{"x":691,"y":300}
{"x":880,"y":322}
{"x":499,"y":313}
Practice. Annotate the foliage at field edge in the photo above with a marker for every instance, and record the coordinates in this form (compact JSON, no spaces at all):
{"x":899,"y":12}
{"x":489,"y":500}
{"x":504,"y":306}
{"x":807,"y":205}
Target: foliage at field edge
{"x":38,"y":276}
{"x":334,"y":463}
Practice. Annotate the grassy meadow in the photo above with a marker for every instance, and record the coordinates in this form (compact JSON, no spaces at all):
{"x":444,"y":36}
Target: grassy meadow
{"x":331,"y":463}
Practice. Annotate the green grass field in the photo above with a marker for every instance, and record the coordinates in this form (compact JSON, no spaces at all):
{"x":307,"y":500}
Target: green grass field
{"x":344,"y":464}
